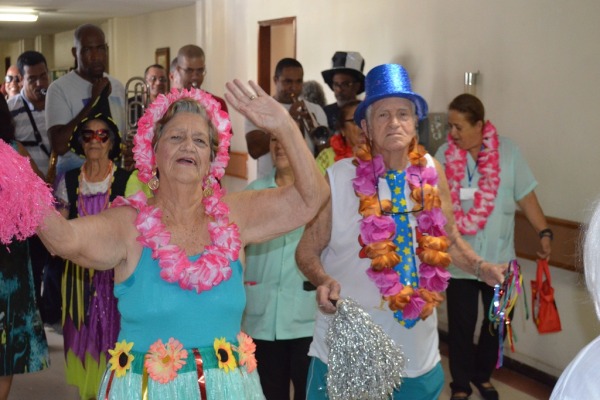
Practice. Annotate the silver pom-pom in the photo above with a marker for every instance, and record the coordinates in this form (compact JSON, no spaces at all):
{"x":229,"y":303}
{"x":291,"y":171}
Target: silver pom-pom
{"x":364,"y":362}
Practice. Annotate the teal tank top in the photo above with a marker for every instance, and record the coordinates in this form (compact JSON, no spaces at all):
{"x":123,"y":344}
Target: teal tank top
{"x":152,"y":308}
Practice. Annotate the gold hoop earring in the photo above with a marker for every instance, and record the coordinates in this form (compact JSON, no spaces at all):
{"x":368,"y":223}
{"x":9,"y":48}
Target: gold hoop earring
{"x":154,"y":183}
{"x":207,"y":189}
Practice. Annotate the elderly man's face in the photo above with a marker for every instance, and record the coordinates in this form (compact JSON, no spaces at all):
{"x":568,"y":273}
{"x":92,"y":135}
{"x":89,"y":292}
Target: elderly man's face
{"x":345,"y":87}
{"x":191,"y":71}
{"x":289,"y":84}
{"x":392,"y":124}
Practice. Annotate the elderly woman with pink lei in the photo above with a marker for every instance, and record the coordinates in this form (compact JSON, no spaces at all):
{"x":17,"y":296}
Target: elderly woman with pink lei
{"x":176,"y":256}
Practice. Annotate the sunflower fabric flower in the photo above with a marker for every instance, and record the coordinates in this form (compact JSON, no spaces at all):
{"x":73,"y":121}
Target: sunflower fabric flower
{"x":121,"y":358}
{"x":224,"y":355}
{"x":164,"y":360}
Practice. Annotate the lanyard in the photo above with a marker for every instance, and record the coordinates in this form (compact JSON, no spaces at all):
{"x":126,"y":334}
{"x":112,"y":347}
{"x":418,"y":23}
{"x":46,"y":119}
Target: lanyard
{"x":469,"y":173}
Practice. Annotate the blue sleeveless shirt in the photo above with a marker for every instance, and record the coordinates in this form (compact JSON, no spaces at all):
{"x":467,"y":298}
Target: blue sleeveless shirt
{"x":152,"y":308}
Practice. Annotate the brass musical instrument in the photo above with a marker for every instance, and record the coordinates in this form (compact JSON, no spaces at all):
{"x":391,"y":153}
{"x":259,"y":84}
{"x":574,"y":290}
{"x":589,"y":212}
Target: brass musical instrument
{"x":319,"y":134}
{"x":137,"y":93}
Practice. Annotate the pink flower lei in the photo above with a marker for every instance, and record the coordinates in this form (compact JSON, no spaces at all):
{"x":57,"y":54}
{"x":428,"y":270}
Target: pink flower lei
{"x":378,"y":230}
{"x":212,"y":267}
{"x":488,"y":165}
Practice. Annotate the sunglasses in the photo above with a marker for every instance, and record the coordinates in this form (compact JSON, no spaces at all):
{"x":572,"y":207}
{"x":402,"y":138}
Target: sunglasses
{"x":100,"y":135}
{"x":10,"y":78}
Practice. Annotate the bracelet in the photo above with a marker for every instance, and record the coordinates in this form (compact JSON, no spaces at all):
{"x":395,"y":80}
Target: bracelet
{"x":478,"y":268}
{"x":546,"y":232}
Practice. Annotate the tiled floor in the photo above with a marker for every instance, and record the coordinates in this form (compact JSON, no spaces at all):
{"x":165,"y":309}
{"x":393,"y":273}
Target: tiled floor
{"x":510,"y":385}
{"x":50,"y":384}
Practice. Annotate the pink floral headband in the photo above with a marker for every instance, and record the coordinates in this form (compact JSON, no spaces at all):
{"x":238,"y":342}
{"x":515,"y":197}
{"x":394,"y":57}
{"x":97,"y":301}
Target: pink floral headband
{"x":143,"y":152}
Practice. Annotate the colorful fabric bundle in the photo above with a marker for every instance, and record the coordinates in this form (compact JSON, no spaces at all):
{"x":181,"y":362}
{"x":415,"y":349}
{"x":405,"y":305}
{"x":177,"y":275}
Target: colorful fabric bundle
{"x":505,"y":298}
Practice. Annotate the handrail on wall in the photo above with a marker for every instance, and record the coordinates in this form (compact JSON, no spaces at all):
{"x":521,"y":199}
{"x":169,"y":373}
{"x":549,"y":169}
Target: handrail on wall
{"x":566,"y":248}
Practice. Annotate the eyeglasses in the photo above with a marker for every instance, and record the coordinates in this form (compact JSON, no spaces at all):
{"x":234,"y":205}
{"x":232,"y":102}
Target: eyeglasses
{"x":100,"y":135}
{"x":153,"y":79}
{"x":343,"y":85}
{"x":191,"y":71}
{"x":10,"y":78}
{"x":384,"y":212}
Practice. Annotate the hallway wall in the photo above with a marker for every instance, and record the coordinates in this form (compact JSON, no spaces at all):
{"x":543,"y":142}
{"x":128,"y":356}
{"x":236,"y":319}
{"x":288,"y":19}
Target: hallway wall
{"x":539,"y":69}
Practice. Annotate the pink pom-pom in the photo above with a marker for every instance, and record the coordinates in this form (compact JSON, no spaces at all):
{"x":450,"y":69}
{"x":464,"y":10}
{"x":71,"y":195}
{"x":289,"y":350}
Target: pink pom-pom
{"x":24,"y":197}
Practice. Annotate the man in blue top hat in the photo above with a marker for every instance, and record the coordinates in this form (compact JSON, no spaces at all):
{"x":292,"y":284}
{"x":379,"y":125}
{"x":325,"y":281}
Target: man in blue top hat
{"x":397,"y":184}
{"x":347,"y":81}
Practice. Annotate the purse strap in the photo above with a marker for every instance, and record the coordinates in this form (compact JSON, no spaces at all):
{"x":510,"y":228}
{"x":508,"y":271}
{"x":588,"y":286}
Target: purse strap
{"x":543,"y":269}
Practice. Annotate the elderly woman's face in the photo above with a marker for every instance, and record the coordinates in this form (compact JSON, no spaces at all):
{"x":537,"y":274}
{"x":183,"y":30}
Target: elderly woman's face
{"x":96,"y":138}
{"x":183,"y":150}
{"x":392,"y":124}
{"x":465,"y":135}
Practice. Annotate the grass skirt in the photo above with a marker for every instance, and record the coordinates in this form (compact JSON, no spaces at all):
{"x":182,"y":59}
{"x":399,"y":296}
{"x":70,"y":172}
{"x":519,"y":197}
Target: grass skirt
{"x":236,"y":384}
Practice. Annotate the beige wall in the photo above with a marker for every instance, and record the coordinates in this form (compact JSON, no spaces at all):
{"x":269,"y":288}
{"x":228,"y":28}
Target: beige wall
{"x":539,"y":64}
{"x":137,"y":38}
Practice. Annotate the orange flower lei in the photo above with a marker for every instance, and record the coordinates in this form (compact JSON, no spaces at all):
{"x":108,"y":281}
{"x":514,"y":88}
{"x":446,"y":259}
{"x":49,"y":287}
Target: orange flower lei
{"x":378,"y":231}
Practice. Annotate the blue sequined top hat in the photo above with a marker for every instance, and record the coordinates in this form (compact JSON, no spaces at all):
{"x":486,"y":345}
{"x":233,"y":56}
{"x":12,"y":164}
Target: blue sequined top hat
{"x":389,"y":80}
{"x":348,"y":62}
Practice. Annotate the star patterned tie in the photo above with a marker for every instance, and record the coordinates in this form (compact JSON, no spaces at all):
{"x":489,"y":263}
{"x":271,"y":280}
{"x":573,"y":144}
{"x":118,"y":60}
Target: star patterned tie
{"x":406,"y":268}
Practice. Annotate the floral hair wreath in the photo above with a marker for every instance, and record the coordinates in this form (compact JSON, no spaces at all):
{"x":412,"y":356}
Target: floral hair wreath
{"x":143,"y":152}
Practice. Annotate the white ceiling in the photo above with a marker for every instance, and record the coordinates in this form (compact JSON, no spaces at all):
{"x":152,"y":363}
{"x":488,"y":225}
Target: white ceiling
{"x":63,"y":15}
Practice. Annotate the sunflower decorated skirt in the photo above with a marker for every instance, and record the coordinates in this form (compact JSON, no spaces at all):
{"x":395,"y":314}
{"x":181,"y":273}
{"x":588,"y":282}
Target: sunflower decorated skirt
{"x":170,"y":371}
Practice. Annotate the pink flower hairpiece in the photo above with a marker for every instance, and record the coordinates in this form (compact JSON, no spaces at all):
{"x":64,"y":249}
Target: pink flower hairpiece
{"x":143,"y":152}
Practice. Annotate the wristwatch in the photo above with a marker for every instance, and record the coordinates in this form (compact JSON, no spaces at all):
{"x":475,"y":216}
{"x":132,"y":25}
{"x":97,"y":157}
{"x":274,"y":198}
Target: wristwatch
{"x":546,"y":232}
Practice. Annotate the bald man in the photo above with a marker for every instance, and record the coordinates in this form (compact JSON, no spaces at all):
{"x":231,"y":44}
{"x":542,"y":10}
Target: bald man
{"x":189,"y":69}
{"x":70,"y":98}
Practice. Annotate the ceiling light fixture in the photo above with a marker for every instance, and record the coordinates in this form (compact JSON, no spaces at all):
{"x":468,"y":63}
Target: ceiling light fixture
{"x":18,"y":15}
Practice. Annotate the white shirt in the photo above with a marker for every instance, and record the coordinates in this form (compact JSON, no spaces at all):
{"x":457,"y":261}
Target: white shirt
{"x":340,"y":260}
{"x":24,"y":131}
{"x":581,"y":379}
{"x":67,"y":96}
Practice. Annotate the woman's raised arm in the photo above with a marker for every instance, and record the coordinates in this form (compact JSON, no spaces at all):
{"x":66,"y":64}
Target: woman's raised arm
{"x":262,"y":215}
